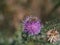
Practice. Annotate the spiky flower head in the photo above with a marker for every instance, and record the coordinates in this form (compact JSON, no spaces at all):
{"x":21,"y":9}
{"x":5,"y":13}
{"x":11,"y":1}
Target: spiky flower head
{"x":32,"y":25}
{"x":53,"y":36}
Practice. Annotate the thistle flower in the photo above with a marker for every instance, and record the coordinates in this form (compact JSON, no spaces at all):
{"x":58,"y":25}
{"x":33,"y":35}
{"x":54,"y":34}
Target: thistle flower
{"x":53,"y":36}
{"x":32,"y":25}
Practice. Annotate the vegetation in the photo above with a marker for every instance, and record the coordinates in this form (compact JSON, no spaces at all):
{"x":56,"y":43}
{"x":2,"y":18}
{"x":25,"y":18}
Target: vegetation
{"x":14,"y":12}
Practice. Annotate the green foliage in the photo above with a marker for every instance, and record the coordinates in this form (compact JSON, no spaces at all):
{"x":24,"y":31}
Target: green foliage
{"x":31,"y":40}
{"x":21,"y":38}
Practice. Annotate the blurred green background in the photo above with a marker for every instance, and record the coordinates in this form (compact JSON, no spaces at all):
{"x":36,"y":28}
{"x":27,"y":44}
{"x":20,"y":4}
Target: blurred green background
{"x":13,"y":12}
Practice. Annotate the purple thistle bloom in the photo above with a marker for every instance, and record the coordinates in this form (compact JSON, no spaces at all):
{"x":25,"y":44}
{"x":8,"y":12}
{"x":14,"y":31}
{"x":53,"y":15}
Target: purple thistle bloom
{"x":32,"y":25}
